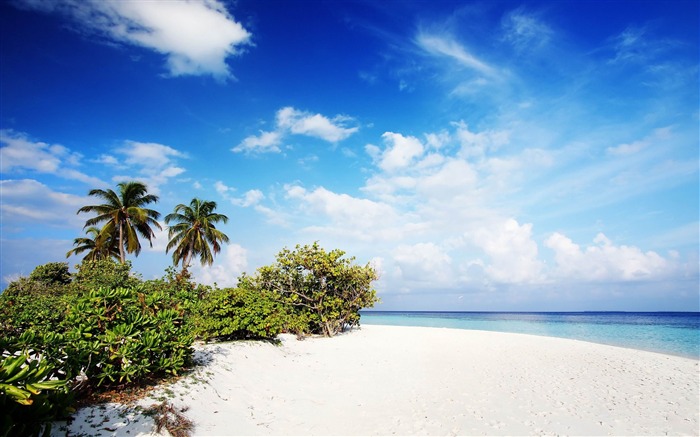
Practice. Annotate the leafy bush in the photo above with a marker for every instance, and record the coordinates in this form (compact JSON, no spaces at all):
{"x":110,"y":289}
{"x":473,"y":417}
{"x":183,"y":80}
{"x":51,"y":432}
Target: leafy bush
{"x":30,"y":395}
{"x":105,"y":273}
{"x":125,"y":334}
{"x":236,"y":313}
{"x":323,"y":291}
{"x":28,"y":304}
{"x":51,"y":273}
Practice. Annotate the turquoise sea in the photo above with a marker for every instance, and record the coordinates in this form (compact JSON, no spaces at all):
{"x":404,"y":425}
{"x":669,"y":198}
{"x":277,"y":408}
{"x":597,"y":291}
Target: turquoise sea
{"x":670,"y":333}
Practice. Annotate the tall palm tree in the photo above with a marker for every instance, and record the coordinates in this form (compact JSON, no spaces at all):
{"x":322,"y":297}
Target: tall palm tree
{"x":98,"y":247}
{"x":125,"y":216}
{"x":193,"y":231}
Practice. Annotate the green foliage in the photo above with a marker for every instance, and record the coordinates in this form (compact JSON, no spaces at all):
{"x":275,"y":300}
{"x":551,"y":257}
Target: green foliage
{"x":105,"y":273}
{"x":125,"y":334}
{"x":27,"y":304}
{"x":193,"y":232}
{"x":31,"y":395}
{"x":100,"y":246}
{"x":124,"y":215}
{"x":323,"y":291}
{"x":51,"y":273}
{"x":236,"y":313}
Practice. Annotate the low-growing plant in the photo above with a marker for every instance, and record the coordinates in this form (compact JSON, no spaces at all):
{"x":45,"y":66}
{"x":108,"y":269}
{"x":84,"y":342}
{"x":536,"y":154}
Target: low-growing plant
{"x":104,"y":273}
{"x":323,"y":290}
{"x":52,"y":273}
{"x":31,"y":395}
{"x":237,"y":313}
{"x":122,"y":335}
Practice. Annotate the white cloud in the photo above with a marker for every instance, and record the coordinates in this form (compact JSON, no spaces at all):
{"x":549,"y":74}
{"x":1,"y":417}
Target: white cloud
{"x":296,"y":122}
{"x":228,"y":265}
{"x":513,"y":252}
{"x":222,"y":188}
{"x":441,"y":45}
{"x":400,"y":151}
{"x":18,"y":154}
{"x":363,"y":218}
{"x":252,"y":197}
{"x":28,"y":201}
{"x":424,"y":263}
{"x":479,"y":144}
{"x":196,"y":36}
{"x":314,"y":125}
{"x":265,"y":142}
{"x":148,"y":155}
{"x":154,"y":162}
{"x":605,"y":261}
{"x":526,"y":32}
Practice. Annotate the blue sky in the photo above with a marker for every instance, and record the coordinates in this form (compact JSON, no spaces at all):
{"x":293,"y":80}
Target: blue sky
{"x":481,"y":155}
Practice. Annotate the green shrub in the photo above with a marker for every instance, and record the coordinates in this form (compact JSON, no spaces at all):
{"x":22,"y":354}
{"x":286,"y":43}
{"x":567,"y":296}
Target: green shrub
{"x":126,"y":334}
{"x":31,"y":395}
{"x":28,"y":304}
{"x":105,"y":273}
{"x":51,"y":273}
{"x":323,"y":291}
{"x":235,"y":313}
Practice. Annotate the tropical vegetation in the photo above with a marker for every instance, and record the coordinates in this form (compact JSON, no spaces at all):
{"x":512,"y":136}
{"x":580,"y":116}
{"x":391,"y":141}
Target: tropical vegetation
{"x":194,"y":233}
{"x":65,"y":336}
{"x":125,"y":216}
{"x":97,"y":246}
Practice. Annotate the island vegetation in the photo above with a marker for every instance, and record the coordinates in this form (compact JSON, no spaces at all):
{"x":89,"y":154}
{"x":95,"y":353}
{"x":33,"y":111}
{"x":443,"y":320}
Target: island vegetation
{"x":66,"y":336}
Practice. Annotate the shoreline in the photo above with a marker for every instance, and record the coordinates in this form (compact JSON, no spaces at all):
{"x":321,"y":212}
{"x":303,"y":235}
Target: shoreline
{"x":600,"y":343}
{"x":381,"y":380}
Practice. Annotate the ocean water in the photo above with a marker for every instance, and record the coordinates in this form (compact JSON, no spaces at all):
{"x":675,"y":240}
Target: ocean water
{"x":669,"y":333}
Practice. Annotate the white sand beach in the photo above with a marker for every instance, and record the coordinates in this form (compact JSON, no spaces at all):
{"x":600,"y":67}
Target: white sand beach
{"x":382,"y":380}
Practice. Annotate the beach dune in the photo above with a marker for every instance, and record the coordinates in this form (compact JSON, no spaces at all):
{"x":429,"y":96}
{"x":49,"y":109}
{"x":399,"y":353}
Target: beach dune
{"x":382,"y":380}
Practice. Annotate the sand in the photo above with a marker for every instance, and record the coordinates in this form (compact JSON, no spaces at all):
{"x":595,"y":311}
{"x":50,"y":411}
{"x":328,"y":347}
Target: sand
{"x":383,"y":380}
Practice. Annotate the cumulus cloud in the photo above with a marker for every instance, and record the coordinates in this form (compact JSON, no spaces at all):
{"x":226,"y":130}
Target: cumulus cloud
{"x":347,"y":215}
{"x":152,"y":155}
{"x":228,"y":265}
{"x":512,"y":251}
{"x":155,"y":163}
{"x":292,"y":121}
{"x":479,"y":144}
{"x":250,"y":197}
{"x":314,"y":125}
{"x":423,"y":263}
{"x":400,"y":151}
{"x":195,"y":36}
{"x":263,"y":143}
{"x":19,"y":154}
{"x":604,"y":261}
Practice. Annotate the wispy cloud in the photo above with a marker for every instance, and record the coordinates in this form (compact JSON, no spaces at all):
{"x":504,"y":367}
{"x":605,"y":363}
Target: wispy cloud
{"x":445,"y":46}
{"x":525,"y":31}
{"x":154,"y":163}
{"x":196,"y":36}
{"x":19,"y":154}
{"x":26,"y":202}
{"x":292,"y":121}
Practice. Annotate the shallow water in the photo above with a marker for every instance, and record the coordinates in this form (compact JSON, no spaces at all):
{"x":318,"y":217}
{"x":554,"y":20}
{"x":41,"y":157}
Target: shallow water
{"x":670,"y":333}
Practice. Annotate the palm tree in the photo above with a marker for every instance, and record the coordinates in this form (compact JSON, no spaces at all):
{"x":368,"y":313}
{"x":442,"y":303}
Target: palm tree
{"x":98,"y":247}
{"x":193,"y":232}
{"x":125,"y":216}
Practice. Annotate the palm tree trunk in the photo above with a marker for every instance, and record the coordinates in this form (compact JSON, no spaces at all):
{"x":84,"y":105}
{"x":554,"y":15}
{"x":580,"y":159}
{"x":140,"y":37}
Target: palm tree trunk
{"x":121,"y":243}
{"x":188,"y":257}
